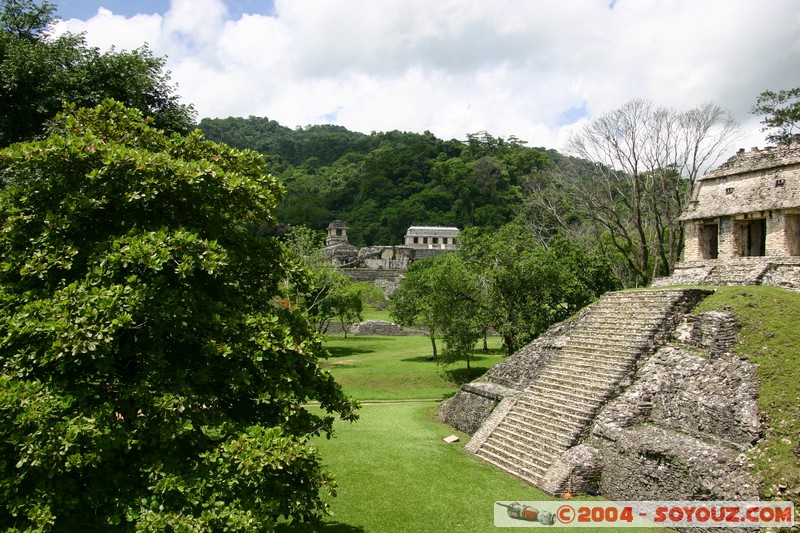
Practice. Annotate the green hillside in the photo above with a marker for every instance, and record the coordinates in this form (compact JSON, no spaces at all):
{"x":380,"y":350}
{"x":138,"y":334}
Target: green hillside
{"x":382,"y":183}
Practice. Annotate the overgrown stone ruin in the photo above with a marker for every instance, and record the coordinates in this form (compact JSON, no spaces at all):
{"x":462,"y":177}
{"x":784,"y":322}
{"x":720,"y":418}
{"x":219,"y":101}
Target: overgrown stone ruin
{"x":635,"y":397}
{"x":384,"y":266}
{"x":371,"y":327}
{"x":742,"y":223}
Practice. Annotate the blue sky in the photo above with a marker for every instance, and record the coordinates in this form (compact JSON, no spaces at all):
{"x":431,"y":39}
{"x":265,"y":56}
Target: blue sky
{"x":84,"y":9}
{"x":535,"y":69}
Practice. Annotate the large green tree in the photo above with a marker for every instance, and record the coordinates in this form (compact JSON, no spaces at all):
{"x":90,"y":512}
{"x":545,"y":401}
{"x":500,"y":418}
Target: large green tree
{"x":40,"y":73}
{"x":440,"y":292}
{"x":524,"y":287}
{"x":781,"y":112}
{"x":151,"y":377}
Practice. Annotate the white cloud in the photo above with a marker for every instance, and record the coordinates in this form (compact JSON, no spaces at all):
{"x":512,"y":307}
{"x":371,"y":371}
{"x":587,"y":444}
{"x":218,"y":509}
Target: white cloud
{"x":531,"y":69}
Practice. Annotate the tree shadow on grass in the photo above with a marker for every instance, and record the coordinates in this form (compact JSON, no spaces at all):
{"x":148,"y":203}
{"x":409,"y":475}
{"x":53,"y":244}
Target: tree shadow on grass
{"x":328,"y":527}
{"x":419,"y":359}
{"x":430,"y":359}
{"x":346,"y":351}
{"x":459,"y":376}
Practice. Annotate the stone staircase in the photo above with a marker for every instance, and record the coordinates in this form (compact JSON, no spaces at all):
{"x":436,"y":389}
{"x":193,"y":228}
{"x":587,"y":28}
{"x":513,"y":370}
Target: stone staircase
{"x":528,"y":436}
{"x":743,"y":272}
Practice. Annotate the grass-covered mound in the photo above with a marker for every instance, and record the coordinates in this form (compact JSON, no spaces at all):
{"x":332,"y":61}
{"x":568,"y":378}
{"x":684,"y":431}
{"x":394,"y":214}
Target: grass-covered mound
{"x":770,"y":338}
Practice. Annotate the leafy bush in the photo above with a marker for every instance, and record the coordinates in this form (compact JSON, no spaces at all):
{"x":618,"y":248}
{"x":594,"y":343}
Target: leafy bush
{"x":150,"y":376}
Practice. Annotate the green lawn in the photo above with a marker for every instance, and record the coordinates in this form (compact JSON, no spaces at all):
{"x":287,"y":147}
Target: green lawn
{"x":371,"y":313}
{"x":399,"y":368}
{"x":395,"y":473}
{"x":393,"y":469}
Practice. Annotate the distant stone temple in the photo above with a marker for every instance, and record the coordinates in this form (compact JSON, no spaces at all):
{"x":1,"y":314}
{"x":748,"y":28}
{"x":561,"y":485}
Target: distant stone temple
{"x":431,"y":238}
{"x":385,"y":265}
{"x":742,"y":224}
{"x":337,"y":233}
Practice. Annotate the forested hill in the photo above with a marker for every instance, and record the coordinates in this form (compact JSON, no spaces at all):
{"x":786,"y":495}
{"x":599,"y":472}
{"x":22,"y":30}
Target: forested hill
{"x":382,"y":183}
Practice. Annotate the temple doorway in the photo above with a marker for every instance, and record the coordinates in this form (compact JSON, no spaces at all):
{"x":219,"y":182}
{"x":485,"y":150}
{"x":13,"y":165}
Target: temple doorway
{"x":752,"y":237}
{"x":709,"y":240}
{"x":792,"y":230}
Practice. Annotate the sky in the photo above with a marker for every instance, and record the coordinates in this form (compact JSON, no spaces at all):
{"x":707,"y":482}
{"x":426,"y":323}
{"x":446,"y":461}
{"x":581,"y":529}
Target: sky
{"x":535,"y":69}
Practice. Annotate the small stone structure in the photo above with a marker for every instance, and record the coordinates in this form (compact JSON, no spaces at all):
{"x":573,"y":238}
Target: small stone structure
{"x":431,"y":238}
{"x":384,"y":265}
{"x":742,"y":223}
{"x":747,"y":207}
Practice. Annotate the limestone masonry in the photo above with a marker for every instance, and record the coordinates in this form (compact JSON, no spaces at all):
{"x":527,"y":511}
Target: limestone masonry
{"x":742,"y":223}
{"x":634,"y":397}
{"x":384,"y":265}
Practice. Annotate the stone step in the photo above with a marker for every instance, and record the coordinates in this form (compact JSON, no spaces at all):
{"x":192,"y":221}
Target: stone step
{"x":557,"y":389}
{"x":506,"y":462}
{"x":553,"y":429}
{"x":565,"y":403}
{"x":615,"y":336}
{"x":534,"y":460}
{"x":609,"y":367}
{"x":596,"y":377}
{"x":580,"y":380}
{"x":635,"y":318}
{"x":579,"y":352}
{"x":622,"y":348}
{"x":556,"y":413}
{"x":605,"y":334}
{"x":514,"y":433}
{"x":640,"y":296}
{"x":544,"y":391}
{"x":560,"y":412}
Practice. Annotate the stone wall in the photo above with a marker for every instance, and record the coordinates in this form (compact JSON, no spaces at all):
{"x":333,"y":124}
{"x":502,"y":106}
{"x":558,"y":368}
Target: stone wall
{"x":472,"y":405}
{"x":465,"y":411}
{"x":779,"y":271}
{"x":680,"y":430}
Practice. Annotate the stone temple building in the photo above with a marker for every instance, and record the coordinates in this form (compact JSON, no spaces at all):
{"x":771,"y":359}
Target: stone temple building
{"x":742,"y":224}
{"x":748,"y":207}
{"x":431,"y":238}
{"x":386,"y":265}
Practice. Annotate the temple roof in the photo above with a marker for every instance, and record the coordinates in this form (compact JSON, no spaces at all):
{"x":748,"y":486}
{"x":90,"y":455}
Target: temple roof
{"x":759,"y":180}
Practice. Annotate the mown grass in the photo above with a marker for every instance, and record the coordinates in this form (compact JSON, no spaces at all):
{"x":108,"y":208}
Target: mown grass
{"x":370,"y":313}
{"x":770,"y":338}
{"x":400,"y":368}
{"x":393,"y":469}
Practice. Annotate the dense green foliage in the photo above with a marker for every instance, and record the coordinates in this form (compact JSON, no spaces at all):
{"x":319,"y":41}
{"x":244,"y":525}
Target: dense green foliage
{"x":501,"y":280}
{"x":382,"y":183}
{"x":525,"y":286}
{"x":781,"y":112}
{"x":150,"y":375}
{"x":441,"y":293}
{"x":39,"y":74}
